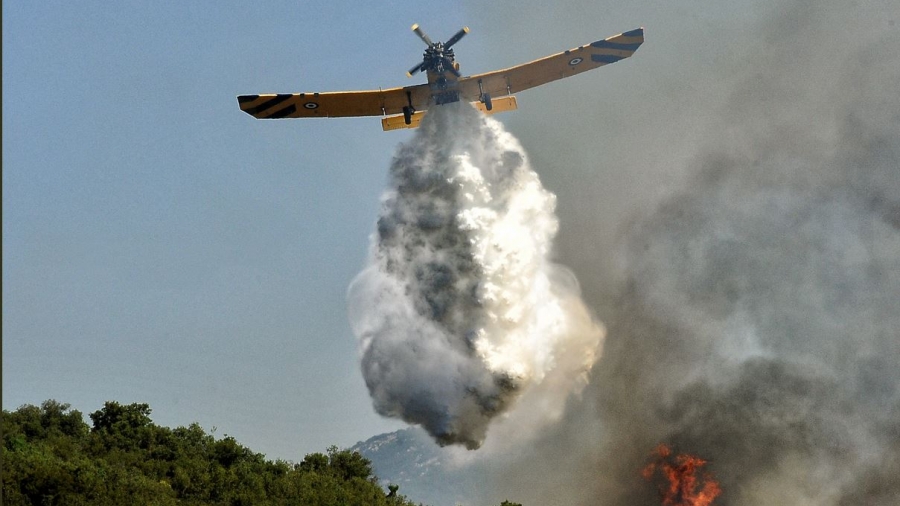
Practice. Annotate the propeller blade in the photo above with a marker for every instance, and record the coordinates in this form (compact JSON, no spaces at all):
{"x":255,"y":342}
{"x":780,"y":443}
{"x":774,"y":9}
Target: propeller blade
{"x":453,"y":40}
{"x":417,"y":68}
{"x":448,"y":66}
{"x":421,"y":34}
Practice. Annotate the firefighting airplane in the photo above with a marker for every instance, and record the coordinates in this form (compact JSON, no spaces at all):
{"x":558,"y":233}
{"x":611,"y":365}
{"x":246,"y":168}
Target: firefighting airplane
{"x":404,"y":107}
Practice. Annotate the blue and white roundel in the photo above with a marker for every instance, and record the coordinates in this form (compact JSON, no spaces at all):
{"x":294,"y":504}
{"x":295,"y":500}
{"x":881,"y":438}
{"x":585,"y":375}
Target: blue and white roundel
{"x":575,"y":61}
{"x":311,"y":105}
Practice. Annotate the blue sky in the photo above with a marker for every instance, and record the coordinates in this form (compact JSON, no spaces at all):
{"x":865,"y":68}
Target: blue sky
{"x":161,"y":246}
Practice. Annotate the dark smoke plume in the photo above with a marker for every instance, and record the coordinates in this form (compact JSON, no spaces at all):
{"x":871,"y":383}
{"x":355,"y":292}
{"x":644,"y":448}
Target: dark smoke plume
{"x":758,"y":322}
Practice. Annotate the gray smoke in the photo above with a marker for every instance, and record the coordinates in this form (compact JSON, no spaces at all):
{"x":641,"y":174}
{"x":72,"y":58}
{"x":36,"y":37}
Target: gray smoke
{"x":760,"y":330}
{"x":461,"y":310}
{"x":758,"y":321}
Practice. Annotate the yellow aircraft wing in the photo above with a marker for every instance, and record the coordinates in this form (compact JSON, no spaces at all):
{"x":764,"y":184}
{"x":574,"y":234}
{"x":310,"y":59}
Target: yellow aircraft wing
{"x":551,"y":68}
{"x":335,"y":104}
{"x":497,"y":84}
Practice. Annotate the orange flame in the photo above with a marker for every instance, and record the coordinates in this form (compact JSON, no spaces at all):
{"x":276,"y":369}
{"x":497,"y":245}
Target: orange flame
{"x":687,"y":485}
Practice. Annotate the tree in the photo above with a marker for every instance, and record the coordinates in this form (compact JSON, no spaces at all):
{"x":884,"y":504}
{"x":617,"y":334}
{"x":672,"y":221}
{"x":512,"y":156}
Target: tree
{"x":315,"y":463}
{"x":115,"y":417}
{"x":51,"y":456}
{"x":348,"y":465}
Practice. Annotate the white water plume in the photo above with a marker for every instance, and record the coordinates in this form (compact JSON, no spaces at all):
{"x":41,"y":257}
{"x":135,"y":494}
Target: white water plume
{"x":460,"y":309}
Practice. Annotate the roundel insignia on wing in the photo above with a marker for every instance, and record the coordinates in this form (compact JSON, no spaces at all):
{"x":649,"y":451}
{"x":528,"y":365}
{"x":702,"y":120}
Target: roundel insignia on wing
{"x":575,"y":61}
{"x":311,"y":105}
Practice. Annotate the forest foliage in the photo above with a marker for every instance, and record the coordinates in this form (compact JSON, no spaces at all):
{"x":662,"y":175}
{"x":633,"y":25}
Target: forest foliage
{"x":51,"y":456}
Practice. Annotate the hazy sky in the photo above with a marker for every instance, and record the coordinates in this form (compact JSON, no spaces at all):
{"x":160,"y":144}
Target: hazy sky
{"x":161,"y":246}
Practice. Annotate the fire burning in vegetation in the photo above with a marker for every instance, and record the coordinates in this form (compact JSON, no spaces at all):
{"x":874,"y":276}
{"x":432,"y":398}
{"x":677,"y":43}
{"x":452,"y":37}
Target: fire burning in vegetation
{"x":684,"y":484}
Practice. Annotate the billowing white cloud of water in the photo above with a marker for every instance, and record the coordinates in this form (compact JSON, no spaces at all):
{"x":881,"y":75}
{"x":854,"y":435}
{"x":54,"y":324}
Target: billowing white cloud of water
{"x":460,"y":310}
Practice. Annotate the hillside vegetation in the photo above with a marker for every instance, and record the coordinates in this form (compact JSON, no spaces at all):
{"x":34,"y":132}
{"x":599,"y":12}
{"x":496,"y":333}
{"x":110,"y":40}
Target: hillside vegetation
{"x":52,"y":457}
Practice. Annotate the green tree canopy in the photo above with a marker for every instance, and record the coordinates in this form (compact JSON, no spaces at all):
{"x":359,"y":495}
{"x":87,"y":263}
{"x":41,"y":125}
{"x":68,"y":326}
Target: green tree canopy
{"x":52,"y":457}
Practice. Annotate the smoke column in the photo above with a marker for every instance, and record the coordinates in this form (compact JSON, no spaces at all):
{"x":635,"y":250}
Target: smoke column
{"x":757,"y":321}
{"x":460,"y":310}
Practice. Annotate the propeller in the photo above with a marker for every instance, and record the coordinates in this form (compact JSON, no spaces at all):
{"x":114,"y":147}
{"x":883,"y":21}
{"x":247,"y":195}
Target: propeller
{"x":418,"y":68}
{"x":438,"y":54}
{"x":448,"y":65}
{"x":425,"y":38}
{"x":453,"y":40}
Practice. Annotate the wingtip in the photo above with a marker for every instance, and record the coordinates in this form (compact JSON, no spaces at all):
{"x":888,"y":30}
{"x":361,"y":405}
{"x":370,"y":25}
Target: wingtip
{"x":466,"y":29}
{"x":414,"y":26}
